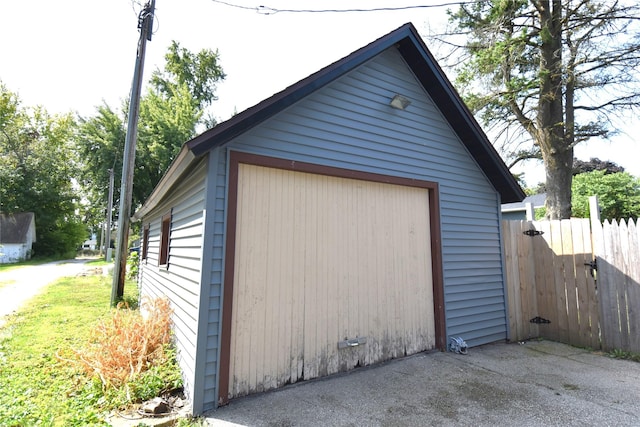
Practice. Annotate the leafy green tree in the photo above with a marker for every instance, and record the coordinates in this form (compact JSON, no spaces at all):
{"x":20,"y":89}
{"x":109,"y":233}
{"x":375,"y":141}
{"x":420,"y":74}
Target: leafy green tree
{"x":199,"y":72}
{"x":37,"y":166}
{"x":618,"y":194}
{"x":170,"y":112}
{"x":580,"y":166}
{"x":166,"y":122}
{"x":545,"y":75}
{"x":595,"y":164}
{"x":100,"y":142}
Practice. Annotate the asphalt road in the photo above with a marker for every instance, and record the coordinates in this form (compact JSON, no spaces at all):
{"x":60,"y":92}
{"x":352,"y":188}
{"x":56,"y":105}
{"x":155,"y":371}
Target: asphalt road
{"x":19,"y":285}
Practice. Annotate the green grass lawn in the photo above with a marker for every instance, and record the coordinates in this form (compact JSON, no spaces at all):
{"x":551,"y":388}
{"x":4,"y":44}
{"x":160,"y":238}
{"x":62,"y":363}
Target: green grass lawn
{"x":37,"y":387}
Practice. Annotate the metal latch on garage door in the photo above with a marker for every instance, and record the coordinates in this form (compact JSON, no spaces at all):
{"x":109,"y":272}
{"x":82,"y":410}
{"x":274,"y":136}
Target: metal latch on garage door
{"x":353,"y":342}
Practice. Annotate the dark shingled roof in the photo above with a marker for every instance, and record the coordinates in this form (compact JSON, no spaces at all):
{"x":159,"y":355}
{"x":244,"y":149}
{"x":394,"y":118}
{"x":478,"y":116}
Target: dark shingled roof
{"x":14,"y":227}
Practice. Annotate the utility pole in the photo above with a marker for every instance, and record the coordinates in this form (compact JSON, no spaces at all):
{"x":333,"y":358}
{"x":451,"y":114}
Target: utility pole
{"x":101,"y":245}
{"x":145,"y":25}
{"x":107,"y":248}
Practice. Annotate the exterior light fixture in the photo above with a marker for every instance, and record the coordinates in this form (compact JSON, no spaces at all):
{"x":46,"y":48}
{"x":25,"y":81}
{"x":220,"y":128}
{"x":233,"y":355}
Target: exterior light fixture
{"x":400,"y":102}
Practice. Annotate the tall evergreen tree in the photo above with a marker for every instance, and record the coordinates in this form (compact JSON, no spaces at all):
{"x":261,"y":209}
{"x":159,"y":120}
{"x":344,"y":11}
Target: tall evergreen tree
{"x":545,"y":75}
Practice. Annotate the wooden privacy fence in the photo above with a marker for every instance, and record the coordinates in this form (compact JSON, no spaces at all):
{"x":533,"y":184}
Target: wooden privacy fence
{"x":618,"y":254}
{"x":574,"y":281}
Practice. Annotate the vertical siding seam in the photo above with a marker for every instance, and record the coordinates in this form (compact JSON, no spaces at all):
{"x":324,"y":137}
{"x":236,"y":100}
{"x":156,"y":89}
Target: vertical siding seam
{"x":203,"y":304}
{"x":222,"y":154}
{"x":505,"y":297}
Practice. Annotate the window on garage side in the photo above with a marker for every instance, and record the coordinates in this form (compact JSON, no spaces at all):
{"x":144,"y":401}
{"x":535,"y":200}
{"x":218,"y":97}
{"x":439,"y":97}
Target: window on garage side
{"x":163,"y":259}
{"x":145,"y":242}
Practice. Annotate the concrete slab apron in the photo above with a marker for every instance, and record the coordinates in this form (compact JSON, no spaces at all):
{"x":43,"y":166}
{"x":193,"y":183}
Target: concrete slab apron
{"x":539,"y":383}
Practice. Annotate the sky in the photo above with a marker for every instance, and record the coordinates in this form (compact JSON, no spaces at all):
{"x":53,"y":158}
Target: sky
{"x":73,"y":55}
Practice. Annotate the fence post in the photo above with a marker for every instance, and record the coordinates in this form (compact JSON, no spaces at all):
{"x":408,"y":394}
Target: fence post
{"x":594,"y":209}
{"x":531,"y":213}
{"x":597,"y":241}
{"x":596,"y":226}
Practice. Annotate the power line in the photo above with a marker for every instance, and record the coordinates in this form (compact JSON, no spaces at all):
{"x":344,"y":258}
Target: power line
{"x":267,"y":10}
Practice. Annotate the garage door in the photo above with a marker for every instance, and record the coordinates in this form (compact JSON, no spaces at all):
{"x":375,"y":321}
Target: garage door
{"x":330,"y":273}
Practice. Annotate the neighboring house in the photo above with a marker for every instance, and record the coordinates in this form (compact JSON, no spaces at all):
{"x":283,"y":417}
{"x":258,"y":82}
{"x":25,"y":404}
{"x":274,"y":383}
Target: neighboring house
{"x":17,"y":235}
{"x":325,"y":229}
{"x":524,"y":209}
{"x":92,"y":243}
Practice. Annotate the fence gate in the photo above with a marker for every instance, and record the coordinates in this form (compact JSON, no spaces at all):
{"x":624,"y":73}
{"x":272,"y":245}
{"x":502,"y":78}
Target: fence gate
{"x":618,"y":249}
{"x":550,"y":281}
{"x":552,"y":276}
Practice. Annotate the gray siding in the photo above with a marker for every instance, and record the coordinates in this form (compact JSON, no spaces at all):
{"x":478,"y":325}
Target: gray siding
{"x":349,"y":124}
{"x":180,"y":282}
{"x":216,"y":194}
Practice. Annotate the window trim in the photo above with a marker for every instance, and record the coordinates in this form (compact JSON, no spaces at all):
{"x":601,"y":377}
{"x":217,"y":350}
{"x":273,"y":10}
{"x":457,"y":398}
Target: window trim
{"x":165,"y":232}
{"x":145,"y":242}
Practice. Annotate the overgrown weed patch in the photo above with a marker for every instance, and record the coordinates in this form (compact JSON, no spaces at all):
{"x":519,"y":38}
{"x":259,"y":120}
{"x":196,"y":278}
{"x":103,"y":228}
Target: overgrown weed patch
{"x":40,"y":386}
{"x":128,"y":350}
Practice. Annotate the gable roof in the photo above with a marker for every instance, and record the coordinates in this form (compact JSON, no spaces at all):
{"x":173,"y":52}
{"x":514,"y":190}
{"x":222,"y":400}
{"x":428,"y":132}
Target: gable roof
{"x":15,"y":227}
{"x":422,"y":64}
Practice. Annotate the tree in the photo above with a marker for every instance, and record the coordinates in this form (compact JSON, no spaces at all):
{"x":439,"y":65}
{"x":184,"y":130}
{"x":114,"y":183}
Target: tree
{"x":545,"y":75}
{"x":166,"y":122}
{"x":170,"y":112}
{"x":199,"y":72}
{"x":595,"y":164}
{"x":581,"y":166}
{"x":100,"y":142}
{"x":37,"y":166}
{"x":618,"y":194}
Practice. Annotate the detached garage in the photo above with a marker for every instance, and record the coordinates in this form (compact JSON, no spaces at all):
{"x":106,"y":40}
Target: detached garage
{"x":350,"y":219}
{"x":331,"y":270}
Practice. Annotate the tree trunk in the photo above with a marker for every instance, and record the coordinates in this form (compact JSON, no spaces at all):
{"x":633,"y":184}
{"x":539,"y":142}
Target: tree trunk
{"x":557,"y":154}
{"x":558,"y":167}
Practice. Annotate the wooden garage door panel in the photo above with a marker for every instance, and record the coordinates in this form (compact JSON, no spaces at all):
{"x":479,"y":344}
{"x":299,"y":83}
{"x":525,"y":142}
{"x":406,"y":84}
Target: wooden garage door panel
{"x":321,"y":259}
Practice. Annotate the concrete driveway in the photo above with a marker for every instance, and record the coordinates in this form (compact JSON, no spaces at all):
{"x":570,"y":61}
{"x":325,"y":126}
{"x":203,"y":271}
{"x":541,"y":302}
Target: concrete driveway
{"x":539,"y":383}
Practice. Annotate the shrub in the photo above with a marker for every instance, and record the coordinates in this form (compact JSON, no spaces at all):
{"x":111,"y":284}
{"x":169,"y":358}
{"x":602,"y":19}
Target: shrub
{"x":133,"y":261}
{"x":127,"y":344}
